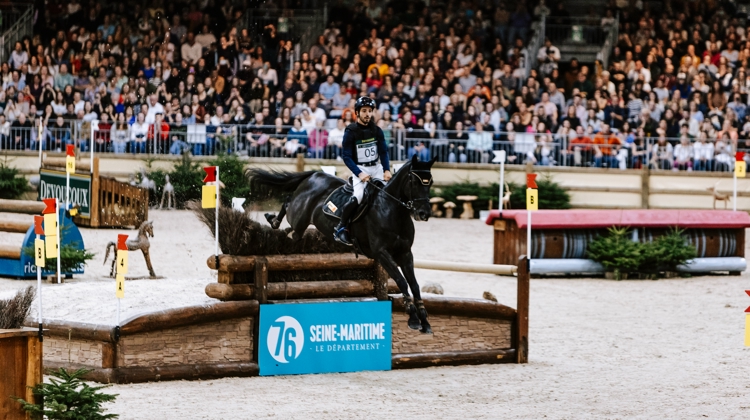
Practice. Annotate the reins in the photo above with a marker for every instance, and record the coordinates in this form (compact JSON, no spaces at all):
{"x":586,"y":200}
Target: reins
{"x":410,"y":204}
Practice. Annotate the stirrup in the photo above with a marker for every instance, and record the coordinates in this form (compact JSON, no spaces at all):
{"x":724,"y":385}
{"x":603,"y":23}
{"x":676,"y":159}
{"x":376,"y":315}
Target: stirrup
{"x":340,"y":236}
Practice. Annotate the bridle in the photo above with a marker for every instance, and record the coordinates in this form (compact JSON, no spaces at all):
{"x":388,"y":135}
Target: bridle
{"x":410,"y":204}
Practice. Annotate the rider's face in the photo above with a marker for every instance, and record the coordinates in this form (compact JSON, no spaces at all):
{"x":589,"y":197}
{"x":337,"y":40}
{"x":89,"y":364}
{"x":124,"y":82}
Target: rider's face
{"x":365,"y":115}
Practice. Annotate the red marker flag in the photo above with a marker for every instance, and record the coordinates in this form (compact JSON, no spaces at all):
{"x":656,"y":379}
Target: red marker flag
{"x":739,"y":156}
{"x":70,"y":150}
{"x":748,"y":308}
{"x":531,"y":181}
{"x":210,"y":174}
{"x":38,"y":229}
{"x":121,"y":245}
{"x":50,"y":203}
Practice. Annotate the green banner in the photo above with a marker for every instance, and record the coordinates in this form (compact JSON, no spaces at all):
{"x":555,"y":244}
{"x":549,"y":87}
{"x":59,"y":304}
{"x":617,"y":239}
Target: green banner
{"x":52,"y":185}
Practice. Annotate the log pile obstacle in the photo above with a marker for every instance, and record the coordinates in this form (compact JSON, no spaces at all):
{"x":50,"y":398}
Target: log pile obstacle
{"x":16,"y":263}
{"x":101,"y":201}
{"x":221,"y":339}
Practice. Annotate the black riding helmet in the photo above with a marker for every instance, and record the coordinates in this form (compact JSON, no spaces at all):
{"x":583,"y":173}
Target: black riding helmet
{"x":363,"y":101}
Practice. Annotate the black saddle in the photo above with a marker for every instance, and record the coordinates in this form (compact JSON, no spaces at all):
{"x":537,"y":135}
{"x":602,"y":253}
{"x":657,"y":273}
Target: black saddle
{"x":341,"y":195}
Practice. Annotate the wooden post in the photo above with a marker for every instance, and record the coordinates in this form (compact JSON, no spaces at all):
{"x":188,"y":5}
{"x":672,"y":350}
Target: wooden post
{"x":381,"y":283}
{"x":300,"y":162}
{"x":645,"y":188}
{"x":261,"y":280}
{"x":521,"y":333}
{"x":94,"y":205}
{"x":261,"y":295}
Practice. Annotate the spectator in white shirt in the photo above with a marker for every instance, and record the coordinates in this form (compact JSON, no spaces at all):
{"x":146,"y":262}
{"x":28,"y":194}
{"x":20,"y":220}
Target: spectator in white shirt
{"x":138,"y":132}
{"x":154,"y":107}
{"x":683,"y":155}
{"x":318,"y":113}
{"x":191,"y":50}
{"x":336,"y":139}
{"x":205,"y":38}
{"x":703,"y":157}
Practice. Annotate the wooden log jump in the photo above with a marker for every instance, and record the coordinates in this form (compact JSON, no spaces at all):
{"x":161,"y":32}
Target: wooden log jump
{"x":21,"y":206}
{"x":303,"y":262}
{"x":298,"y":290}
{"x":505,"y":270}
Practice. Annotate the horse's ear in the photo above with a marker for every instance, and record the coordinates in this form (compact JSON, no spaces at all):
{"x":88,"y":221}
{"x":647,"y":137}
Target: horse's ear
{"x":414,"y":159}
{"x":432,"y":161}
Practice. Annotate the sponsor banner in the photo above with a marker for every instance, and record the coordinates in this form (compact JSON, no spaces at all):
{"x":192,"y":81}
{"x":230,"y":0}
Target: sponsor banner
{"x":52,"y":185}
{"x":297,"y":338}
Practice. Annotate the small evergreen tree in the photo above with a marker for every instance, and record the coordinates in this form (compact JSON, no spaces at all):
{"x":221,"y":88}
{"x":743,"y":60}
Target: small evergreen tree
{"x":12,"y":185}
{"x":666,"y":253}
{"x":67,"y":397}
{"x":232,"y":175}
{"x":551,"y":195}
{"x":616,"y":252}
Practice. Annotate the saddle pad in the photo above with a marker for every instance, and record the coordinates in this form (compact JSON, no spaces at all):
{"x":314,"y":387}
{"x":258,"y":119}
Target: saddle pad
{"x":340,"y":196}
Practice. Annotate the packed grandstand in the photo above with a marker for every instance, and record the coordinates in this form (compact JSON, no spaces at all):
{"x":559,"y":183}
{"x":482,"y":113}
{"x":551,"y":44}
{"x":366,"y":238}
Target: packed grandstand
{"x":453,"y":80}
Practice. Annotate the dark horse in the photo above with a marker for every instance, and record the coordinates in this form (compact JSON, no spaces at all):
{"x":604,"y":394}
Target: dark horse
{"x":385,"y":233}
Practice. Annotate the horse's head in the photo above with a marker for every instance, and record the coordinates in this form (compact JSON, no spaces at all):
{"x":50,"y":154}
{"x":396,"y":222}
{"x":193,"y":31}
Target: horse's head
{"x":417,"y":188}
{"x":147,"y":228}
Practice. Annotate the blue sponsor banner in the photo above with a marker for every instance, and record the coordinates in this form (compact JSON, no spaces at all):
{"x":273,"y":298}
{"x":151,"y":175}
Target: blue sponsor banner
{"x":297,"y":338}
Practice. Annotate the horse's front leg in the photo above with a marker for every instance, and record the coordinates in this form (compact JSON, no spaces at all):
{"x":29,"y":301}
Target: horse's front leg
{"x":407,"y":266}
{"x":386,"y":260}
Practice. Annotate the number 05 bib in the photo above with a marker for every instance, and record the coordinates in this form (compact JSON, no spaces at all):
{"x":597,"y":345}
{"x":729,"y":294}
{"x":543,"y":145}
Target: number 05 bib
{"x":367,"y":152}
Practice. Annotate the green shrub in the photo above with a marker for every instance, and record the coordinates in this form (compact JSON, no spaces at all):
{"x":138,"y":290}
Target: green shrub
{"x":66,"y":396}
{"x":551,"y":195}
{"x":666,"y":252}
{"x":12,"y":185}
{"x":231,"y":174}
{"x":71,"y":258}
{"x":616,"y":252}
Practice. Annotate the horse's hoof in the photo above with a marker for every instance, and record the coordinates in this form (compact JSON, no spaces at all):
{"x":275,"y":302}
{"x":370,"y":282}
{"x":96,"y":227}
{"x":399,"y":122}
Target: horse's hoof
{"x":414,"y":322}
{"x":426,"y":330}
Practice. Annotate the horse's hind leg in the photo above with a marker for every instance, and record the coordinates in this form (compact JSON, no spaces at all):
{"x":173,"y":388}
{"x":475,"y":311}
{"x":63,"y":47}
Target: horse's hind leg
{"x":275,"y":219}
{"x":390,"y":266}
{"x":407,"y":266}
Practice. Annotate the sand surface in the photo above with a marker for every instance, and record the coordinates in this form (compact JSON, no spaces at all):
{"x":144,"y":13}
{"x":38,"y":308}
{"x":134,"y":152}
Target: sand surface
{"x":598,"y":349}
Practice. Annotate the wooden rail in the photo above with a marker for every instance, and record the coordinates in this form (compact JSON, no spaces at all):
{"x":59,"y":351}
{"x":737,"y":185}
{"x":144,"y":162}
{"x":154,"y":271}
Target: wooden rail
{"x":506,"y":270}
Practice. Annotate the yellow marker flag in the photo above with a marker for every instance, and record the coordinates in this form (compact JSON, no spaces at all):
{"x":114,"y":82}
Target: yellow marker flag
{"x":739,"y":169}
{"x":73,"y":211}
{"x":70,"y":164}
{"x":209,"y":197}
{"x":532,"y":199}
{"x":39,"y":252}
{"x":120,"y":280}
{"x":50,"y":224}
{"x":50,"y":246}
{"x":122,"y":262}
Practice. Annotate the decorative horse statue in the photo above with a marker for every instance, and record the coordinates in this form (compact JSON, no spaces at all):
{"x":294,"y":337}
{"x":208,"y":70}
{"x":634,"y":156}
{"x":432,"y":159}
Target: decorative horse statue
{"x":385,"y":233}
{"x":140,"y":243}
{"x":167,"y":192}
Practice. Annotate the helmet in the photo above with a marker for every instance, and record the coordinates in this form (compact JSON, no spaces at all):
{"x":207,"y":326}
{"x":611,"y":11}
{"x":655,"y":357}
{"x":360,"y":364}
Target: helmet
{"x":363,"y":101}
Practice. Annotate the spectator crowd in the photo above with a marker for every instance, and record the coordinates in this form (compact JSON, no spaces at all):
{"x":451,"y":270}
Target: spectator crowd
{"x":450,"y":82}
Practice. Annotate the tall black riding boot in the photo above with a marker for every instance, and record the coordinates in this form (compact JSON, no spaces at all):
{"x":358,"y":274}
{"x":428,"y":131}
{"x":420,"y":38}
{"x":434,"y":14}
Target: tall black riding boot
{"x":341,"y":233}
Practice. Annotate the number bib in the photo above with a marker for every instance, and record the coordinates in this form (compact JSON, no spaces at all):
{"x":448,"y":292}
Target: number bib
{"x":367,"y":152}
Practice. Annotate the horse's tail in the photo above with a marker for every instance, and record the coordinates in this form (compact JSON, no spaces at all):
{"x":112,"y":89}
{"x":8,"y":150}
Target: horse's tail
{"x":106,"y":253}
{"x":268,"y":184}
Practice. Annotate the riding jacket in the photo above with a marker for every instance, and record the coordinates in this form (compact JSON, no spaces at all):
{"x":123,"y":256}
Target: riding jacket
{"x":364,"y":145}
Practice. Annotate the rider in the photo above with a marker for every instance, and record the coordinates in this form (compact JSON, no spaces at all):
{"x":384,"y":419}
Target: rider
{"x":365,"y":154}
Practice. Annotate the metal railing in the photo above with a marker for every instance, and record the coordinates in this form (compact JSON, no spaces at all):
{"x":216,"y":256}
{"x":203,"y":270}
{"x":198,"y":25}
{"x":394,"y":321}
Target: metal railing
{"x":609,"y":43}
{"x":536,"y":42}
{"x":615,"y":151}
{"x":16,"y":22}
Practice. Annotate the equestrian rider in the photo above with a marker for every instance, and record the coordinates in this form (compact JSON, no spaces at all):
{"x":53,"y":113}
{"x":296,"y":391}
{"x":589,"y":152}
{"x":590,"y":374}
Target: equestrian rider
{"x":365,"y":154}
